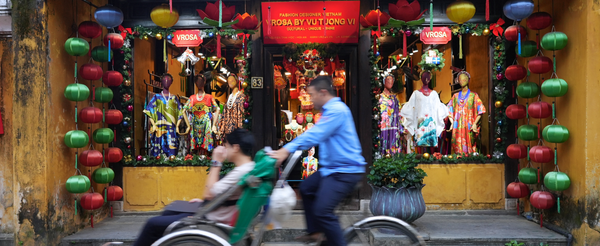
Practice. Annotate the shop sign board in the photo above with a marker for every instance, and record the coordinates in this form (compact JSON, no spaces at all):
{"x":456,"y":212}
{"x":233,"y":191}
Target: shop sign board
{"x":187,"y":38}
{"x":316,"y":22}
{"x":439,"y":35}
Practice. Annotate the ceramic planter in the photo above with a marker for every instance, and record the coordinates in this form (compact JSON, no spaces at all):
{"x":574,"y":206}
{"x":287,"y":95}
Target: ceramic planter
{"x":406,"y":204}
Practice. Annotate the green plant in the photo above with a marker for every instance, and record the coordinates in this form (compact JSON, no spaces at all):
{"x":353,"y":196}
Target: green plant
{"x":398,"y":171}
{"x":514,"y":243}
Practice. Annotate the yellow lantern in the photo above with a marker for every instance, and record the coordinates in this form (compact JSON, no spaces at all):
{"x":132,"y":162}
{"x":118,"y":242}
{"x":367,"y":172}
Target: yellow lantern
{"x":163,"y":17}
{"x":460,"y":11}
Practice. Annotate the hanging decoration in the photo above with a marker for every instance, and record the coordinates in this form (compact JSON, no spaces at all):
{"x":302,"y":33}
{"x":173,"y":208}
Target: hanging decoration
{"x":496,"y":28}
{"x":513,"y":32}
{"x":188,"y":55}
{"x":109,"y":16}
{"x":432,"y":60}
{"x":539,"y":21}
{"x":374,"y":20}
{"x":164,"y":16}
{"x":220,"y":16}
{"x":460,"y":12}
{"x":89,"y":29}
{"x":518,"y":10}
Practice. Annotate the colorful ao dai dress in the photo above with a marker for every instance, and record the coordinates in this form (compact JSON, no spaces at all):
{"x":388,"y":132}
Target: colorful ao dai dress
{"x":233,"y":114}
{"x":200,"y":115}
{"x":391,"y":127}
{"x":165,"y":112}
{"x":424,"y":118}
{"x":464,"y":110}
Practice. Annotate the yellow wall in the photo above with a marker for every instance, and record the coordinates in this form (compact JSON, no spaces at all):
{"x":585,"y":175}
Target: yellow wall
{"x":7,"y":220}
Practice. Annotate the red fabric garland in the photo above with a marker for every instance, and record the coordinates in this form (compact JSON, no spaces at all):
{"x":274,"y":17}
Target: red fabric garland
{"x":404,"y":44}
{"x":487,"y":10}
{"x":1,"y":126}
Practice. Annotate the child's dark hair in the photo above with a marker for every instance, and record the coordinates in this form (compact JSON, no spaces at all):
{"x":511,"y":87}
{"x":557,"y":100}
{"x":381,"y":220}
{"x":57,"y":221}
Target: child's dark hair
{"x":243,"y":138}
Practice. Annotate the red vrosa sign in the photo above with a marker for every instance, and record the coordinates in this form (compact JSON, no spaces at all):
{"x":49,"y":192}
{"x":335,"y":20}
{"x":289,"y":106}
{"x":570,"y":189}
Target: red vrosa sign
{"x":439,"y":35}
{"x":317,"y":22}
{"x":187,"y":38}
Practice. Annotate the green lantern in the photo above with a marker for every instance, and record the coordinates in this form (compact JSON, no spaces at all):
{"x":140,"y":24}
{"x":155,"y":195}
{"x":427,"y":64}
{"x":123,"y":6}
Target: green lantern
{"x":557,"y":181}
{"x":527,"y":132}
{"x":528,"y":175}
{"x":103,"y":95}
{"x":103,"y":135}
{"x":554,"y":41}
{"x":528,"y":49}
{"x":78,"y":184}
{"x":528,"y":90}
{"x":103,"y":175}
{"x":77,"y":46}
{"x":100,"y":54}
{"x":77,"y":92}
{"x":555,"y":134}
{"x":555,"y":87}
{"x":76,"y":139}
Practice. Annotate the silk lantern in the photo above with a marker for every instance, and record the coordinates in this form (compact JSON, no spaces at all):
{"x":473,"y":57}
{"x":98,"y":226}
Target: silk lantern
{"x":512,"y":33}
{"x":89,"y":29}
{"x":527,"y":132}
{"x":516,"y":111}
{"x":103,"y":135}
{"x":113,"y":155}
{"x":90,"y":115}
{"x":115,"y":39}
{"x":91,"y":158}
{"x":515,"y":72}
{"x":112,"y":78}
{"x":557,"y":181}
{"x":103,"y":95}
{"x":516,"y":151}
{"x":163,"y":17}
{"x":540,"y":110}
{"x":528,"y":90}
{"x":101,"y":53}
{"x":90,"y":71}
{"x":78,"y":184}
{"x":539,"y":21}
{"x":109,"y":16}
{"x":91,"y":201}
{"x":77,"y":92}
{"x":518,"y":9}
{"x":528,"y":49}
{"x":554,"y":41}
{"x":517,"y":190}
{"x":542,"y":200}
{"x":555,"y":87}
{"x":540,"y":65}
{"x":541,"y":154}
{"x":103,"y":175}
{"x":113,"y":117}
{"x":76,"y":139}
{"x":114,"y":193}
{"x":460,"y":11}
{"x":77,"y":47}
{"x":555,"y":134}
{"x":528,"y":175}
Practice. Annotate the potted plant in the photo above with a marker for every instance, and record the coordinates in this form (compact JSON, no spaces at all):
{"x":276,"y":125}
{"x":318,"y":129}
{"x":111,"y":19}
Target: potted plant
{"x":397,"y":182}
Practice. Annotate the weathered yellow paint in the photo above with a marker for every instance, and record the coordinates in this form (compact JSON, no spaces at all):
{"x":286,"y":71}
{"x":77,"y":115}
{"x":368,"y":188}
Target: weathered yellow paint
{"x":463,"y":186}
{"x":152,"y":188}
{"x":7,"y":212}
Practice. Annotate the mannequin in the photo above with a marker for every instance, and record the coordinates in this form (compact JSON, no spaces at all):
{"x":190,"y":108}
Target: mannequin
{"x":163,"y":111}
{"x":465,"y":110}
{"x":309,"y":164}
{"x":391,"y":129}
{"x":200,"y":114}
{"x":233,"y":114}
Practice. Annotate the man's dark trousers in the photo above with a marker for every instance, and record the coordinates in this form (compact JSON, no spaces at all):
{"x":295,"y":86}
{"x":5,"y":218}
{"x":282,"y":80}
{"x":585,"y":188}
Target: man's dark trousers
{"x":156,"y":226}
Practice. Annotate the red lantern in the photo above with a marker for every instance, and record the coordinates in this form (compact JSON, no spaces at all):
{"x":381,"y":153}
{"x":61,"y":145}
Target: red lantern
{"x":515,"y":72}
{"x":516,"y":111}
{"x":112,"y":78}
{"x":512,"y":33}
{"x":113,"y":155}
{"x":542,"y":200}
{"x":91,"y":201}
{"x":90,"y":158}
{"x":90,"y":71}
{"x":90,"y":115}
{"x":516,"y":151}
{"x":541,"y":154}
{"x":540,"y":110}
{"x":114,"y":193}
{"x":539,"y":21}
{"x":116,"y":40}
{"x":540,"y":64}
{"x":113,"y":117}
{"x":517,"y":190}
{"x":89,"y":29}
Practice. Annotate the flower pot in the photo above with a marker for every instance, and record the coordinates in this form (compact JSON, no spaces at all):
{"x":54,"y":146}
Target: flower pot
{"x":406,"y":204}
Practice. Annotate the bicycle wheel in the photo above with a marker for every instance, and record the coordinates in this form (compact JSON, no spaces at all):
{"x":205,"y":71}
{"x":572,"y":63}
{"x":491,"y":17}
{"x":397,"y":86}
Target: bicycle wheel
{"x":382,"y":230}
{"x":201,"y":235}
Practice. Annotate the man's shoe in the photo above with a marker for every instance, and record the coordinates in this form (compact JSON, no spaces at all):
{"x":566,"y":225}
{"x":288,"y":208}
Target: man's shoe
{"x":311,"y":238}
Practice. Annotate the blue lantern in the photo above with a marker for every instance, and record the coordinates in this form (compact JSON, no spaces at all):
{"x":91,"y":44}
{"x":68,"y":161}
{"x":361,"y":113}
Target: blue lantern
{"x":109,"y":16}
{"x":518,"y":9}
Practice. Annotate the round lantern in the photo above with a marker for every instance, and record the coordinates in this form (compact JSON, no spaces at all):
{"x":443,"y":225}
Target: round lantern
{"x":90,"y":158}
{"x":116,"y":40}
{"x":103,"y":135}
{"x":528,"y":90}
{"x":516,"y":111}
{"x":100,"y":54}
{"x":555,"y":87}
{"x":557,"y":181}
{"x":512,"y":33}
{"x":540,"y":110}
{"x":527,"y":132}
{"x":541,"y":154}
{"x":540,"y":64}
{"x":113,"y":117}
{"x":91,"y":201}
{"x":516,"y":151}
{"x":103,"y":95}
{"x":103,"y":175}
{"x":78,"y":184}
{"x":555,"y":134}
{"x":554,"y":41}
{"x":112,"y":78}
{"x":76,"y":139}
{"x":542,"y":200}
{"x":77,"y":92}
{"x":460,"y":11}
{"x":515,"y":72}
{"x":528,"y":175}
{"x":528,"y":49}
{"x":90,"y":115}
{"x":114,"y":193}
{"x":89,"y":29}
{"x":77,"y":46}
{"x":113,"y":155}
{"x":517,"y":190}
{"x":90,"y":71}
{"x":163,"y":17}
{"x":518,"y":9}
{"x":109,"y":16}
{"x":539,"y":21}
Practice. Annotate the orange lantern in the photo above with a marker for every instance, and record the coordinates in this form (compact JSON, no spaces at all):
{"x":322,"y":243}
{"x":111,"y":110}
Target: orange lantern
{"x":114,"y":193}
{"x":113,"y":155}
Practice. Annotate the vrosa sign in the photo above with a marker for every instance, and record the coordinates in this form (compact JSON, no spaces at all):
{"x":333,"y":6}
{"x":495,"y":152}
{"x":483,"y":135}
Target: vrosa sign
{"x":439,"y":35}
{"x":187,"y":38}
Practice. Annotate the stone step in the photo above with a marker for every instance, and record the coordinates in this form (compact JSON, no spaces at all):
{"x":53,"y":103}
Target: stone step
{"x":7,"y":239}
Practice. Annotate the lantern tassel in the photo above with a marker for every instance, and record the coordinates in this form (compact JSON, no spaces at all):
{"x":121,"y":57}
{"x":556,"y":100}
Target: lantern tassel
{"x":487,"y":10}
{"x":539,"y":132}
{"x":558,"y":204}
{"x":76,"y":159}
{"x":378,"y":22}
{"x":75,"y":206}
{"x":537,"y":39}
{"x":554,"y":63}
{"x":108,"y":50}
{"x":220,"y":13}
{"x":92,"y":220}
{"x":105,"y":194}
{"x":519,"y":31}
{"x":460,"y":53}
{"x":541,"y":220}
{"x":164,"y":50}
{"x":553,"y":110}
{"x":527,"y":111}
{"x":404,"y":44}
{"x":75,"y":76}
{"x":538,"y":176}
{"x":528,"y":157}
{"x":555,"y":157}
{"x":431,"y":15}
{"x":170,"y":11}
{"x":103,"y":115}
{"x":75,"y":114}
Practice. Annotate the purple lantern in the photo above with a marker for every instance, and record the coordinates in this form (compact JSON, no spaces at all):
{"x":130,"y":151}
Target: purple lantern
{"x":109,"y":16}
